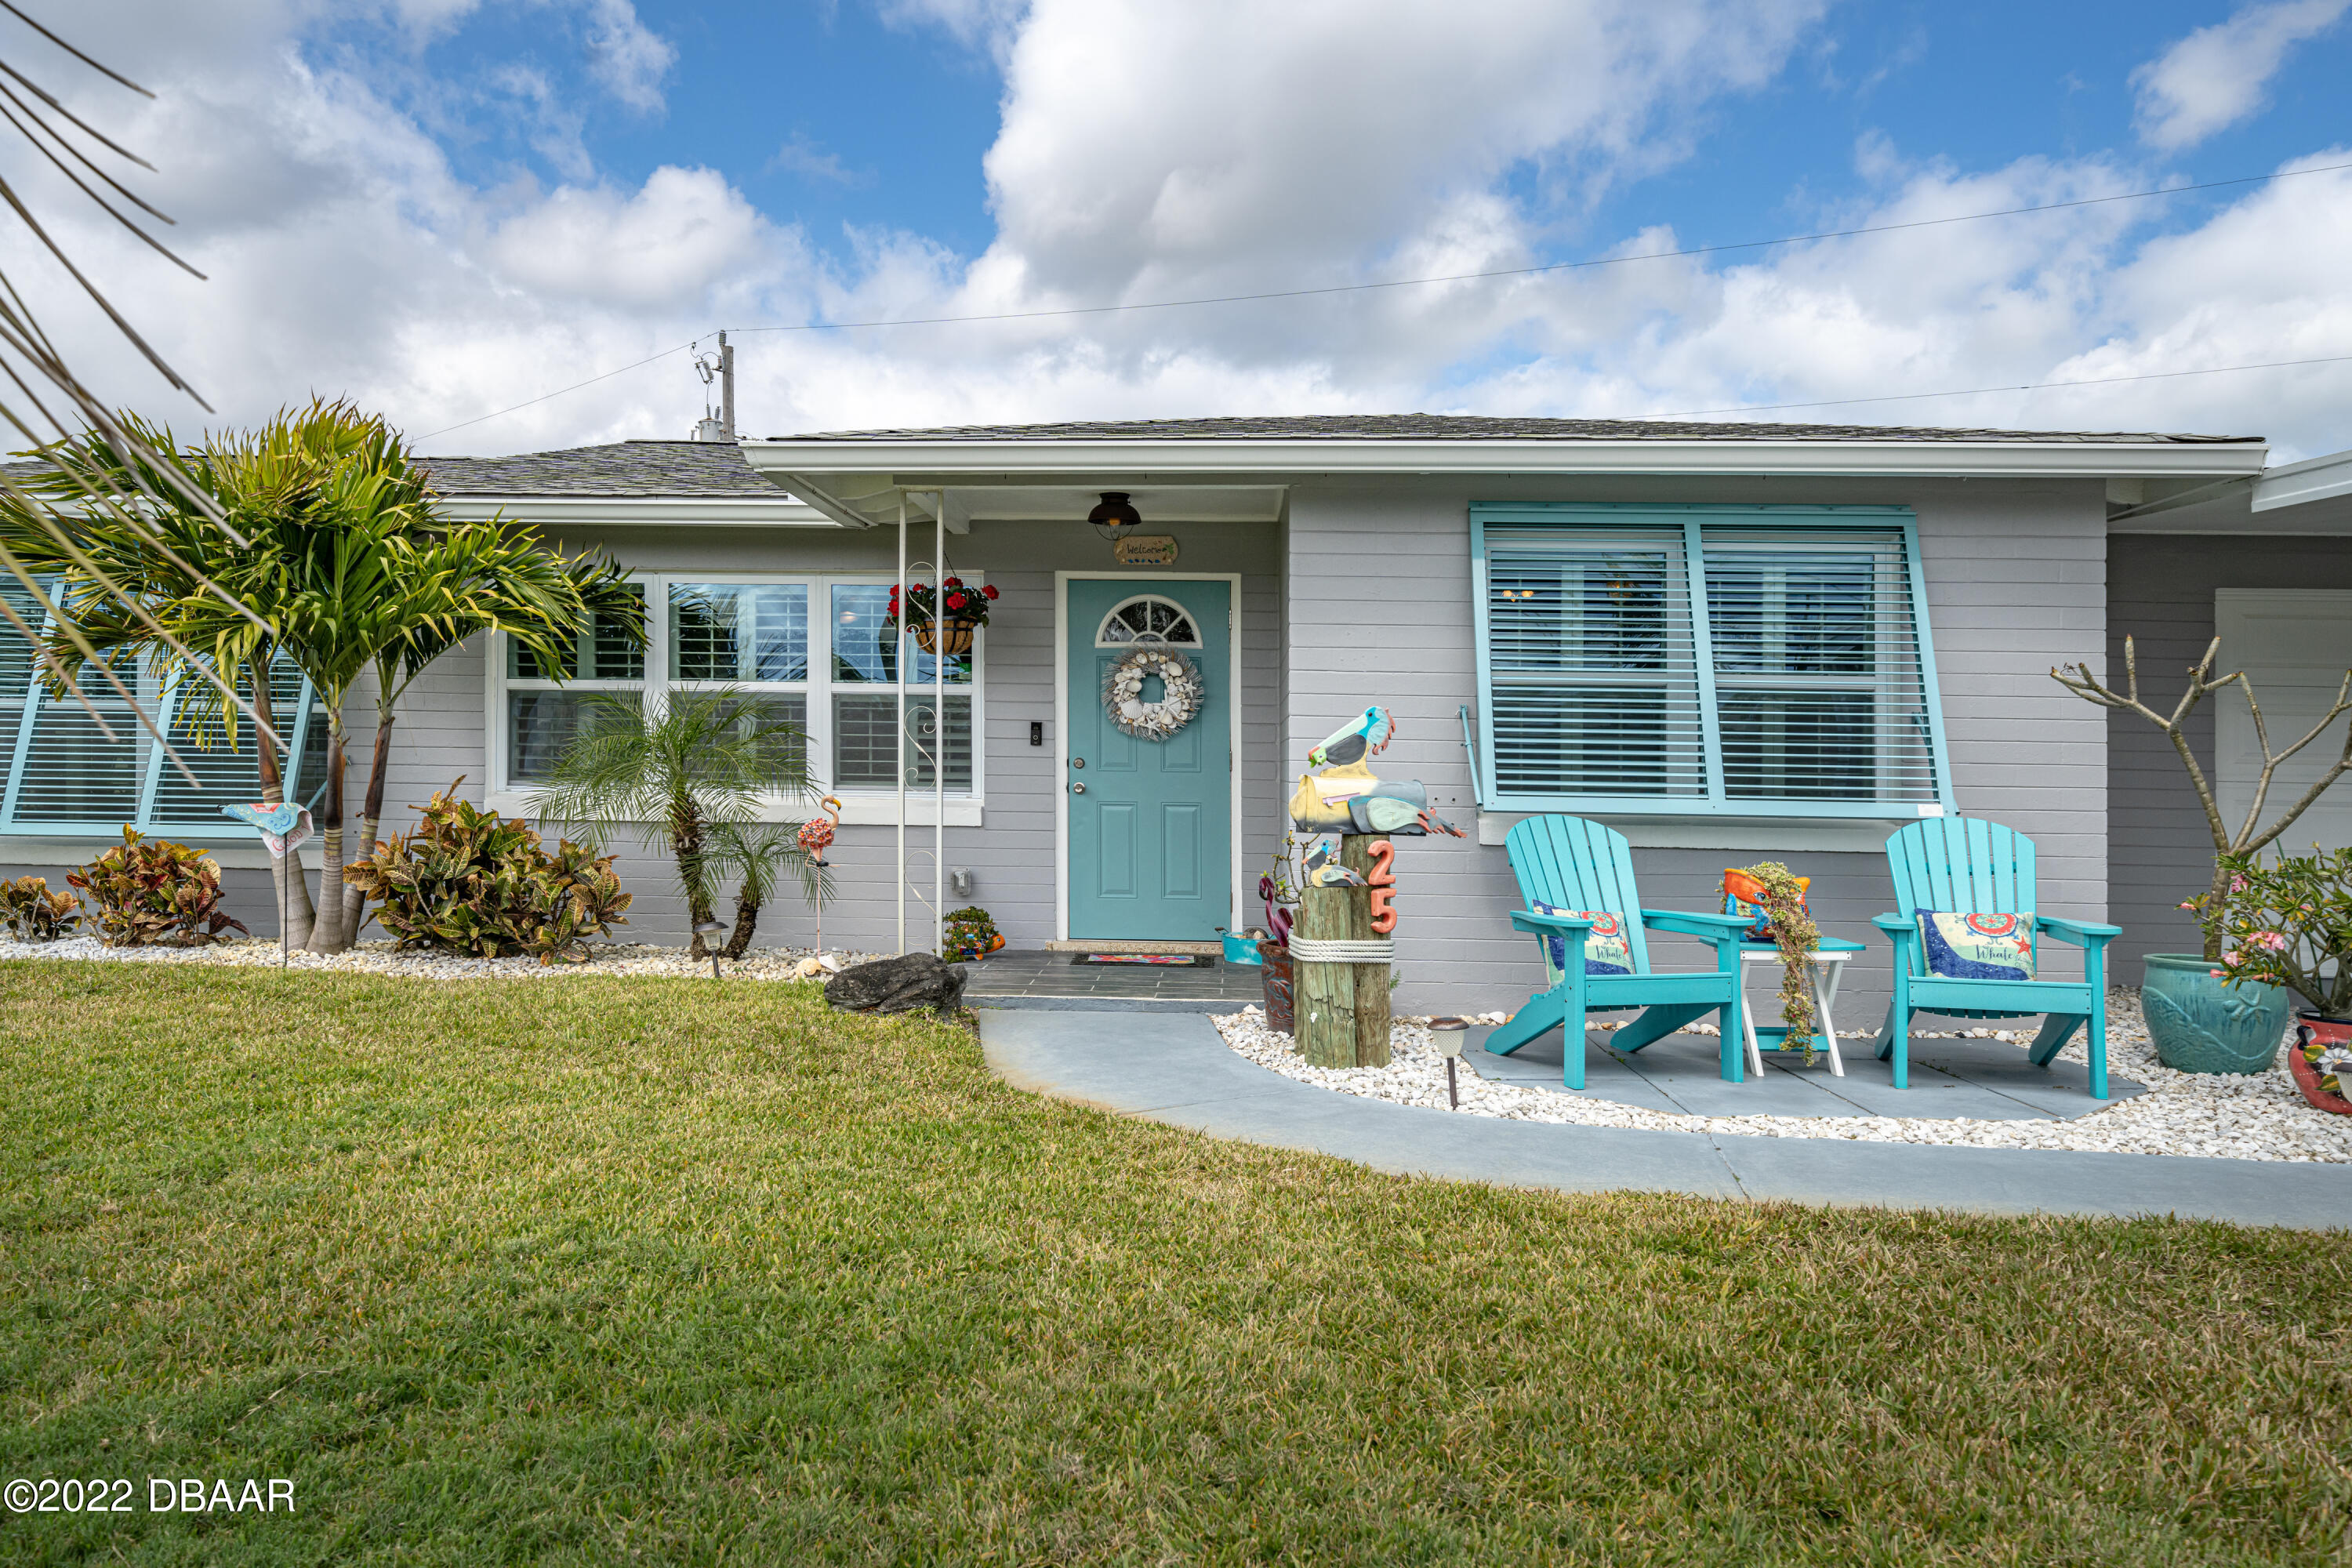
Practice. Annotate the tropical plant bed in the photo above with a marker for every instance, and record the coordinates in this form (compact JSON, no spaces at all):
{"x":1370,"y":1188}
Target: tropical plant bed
{"x":2261,"y":1116}
{"x":646,"y":1270}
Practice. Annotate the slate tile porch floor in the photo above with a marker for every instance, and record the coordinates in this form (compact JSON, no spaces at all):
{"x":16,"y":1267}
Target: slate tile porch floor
{"x":1041,"y":979}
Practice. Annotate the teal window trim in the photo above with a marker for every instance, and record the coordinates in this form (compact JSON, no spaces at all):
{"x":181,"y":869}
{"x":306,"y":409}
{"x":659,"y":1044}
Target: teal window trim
{"x":139,"y":753}
{"x":1689,"y":521}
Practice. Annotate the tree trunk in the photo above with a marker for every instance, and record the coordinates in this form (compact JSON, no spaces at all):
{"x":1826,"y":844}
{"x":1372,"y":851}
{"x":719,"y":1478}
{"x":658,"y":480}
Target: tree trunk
{"x":686,"y":843}
{"x":332,"y":932}
{"x":371,"y":819}
{"x":2216,"y":901}
{"x":293,"y":901}
{"x":746,"y":920}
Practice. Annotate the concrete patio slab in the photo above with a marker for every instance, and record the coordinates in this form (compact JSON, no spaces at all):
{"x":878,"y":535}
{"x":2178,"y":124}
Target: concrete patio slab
{"x":1987,"y":1080}
{"x":1176,"y":1069}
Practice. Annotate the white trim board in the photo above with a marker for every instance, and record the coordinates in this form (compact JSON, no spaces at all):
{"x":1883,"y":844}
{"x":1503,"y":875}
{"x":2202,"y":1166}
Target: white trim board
{"x":1062,"y":581}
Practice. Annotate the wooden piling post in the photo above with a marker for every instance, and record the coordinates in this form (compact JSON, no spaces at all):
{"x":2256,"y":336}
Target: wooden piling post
{"x":1324,"y":993}
{"x":1371,"y":980}
{"x":1342,"y":1008}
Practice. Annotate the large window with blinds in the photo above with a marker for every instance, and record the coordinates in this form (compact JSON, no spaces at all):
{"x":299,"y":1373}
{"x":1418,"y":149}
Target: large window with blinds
{"x":814,"y":651}
{"x":1671,"y":660}
{"x":77,"y":770}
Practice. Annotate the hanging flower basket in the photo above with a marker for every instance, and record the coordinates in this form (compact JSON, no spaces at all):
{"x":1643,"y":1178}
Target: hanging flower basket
{"x":941,"y":619}
{"x":953,"y":637}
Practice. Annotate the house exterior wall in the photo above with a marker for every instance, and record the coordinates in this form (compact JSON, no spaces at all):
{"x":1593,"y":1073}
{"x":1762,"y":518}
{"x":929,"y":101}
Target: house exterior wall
{"x":442,"y":733}
{"x":1379,"y":604}
{"x":2160,"y":593}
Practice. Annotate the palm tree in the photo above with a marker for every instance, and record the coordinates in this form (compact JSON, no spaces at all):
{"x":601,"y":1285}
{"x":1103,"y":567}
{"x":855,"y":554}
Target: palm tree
{"x":693,"y":777}
{"x":349,"y":569}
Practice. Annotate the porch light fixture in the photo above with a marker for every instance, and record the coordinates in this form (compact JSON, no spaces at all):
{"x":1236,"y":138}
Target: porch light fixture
{"x":1114,"y":519}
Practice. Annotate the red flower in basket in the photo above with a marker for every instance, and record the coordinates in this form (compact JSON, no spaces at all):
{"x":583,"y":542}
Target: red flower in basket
{"x":990,"y":591}
{"x":955,"y":601}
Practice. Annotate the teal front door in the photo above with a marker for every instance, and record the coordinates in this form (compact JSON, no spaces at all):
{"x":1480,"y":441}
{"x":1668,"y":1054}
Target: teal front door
{"x":1150,"y":821}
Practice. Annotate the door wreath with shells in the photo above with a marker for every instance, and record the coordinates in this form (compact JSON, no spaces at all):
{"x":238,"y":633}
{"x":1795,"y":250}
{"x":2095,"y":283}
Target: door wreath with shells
{"x":1180,"y":698}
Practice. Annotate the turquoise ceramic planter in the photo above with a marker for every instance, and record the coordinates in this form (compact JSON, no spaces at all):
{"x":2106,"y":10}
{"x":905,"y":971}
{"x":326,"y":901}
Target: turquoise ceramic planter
{"x":2201,"y":1025}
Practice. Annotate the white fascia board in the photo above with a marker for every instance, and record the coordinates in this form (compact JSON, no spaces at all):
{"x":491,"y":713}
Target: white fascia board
{"x":645,"y":512}
{"x":2295,"y":484}
{"x":816,"y":462}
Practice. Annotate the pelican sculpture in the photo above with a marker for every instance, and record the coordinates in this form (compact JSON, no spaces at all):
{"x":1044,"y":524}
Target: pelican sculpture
{"x":1367,"y":734}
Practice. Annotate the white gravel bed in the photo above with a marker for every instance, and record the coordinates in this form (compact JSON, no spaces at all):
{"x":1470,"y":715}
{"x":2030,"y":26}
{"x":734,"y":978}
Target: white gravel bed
{"x":2258,"y":1115}
{"x":379,"y":958}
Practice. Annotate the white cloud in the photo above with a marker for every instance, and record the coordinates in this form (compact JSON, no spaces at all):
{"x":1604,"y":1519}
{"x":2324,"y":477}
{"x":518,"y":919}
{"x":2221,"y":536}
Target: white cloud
{"x":628,"y":57}
{"x":802,"y":155}
{"x":2214,"y":77}
{"x":346,"y":257}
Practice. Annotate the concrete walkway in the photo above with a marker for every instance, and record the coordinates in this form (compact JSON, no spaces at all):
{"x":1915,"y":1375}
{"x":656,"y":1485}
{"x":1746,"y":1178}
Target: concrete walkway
{"x":1175,"y":1069}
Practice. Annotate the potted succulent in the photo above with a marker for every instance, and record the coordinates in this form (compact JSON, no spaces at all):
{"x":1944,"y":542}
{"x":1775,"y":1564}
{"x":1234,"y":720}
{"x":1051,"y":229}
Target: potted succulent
{"x":971,"y":935}
{"x":943,"y":618}
{"x":2205,"y":1015}
{"x":2282,"y":929}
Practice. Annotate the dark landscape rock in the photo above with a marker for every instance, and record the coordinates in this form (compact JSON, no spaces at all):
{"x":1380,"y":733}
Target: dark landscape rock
{"x":899,"y":985}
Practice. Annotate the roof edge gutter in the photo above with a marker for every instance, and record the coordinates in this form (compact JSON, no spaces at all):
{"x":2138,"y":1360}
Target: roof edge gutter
{"x":2297,"y":484}
{"x":798,"y":463}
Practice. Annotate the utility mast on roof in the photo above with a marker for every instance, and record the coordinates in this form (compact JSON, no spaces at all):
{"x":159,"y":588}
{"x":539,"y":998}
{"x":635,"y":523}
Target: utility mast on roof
{"x":722,"y":428}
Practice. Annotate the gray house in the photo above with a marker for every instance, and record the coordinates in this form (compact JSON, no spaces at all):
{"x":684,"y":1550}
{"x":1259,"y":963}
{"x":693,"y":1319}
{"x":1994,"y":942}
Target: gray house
{"x":1731,"y":641}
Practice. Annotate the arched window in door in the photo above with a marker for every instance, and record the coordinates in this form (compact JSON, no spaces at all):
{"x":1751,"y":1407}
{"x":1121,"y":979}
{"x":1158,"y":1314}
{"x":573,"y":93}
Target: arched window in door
{"x":1147,"y":621}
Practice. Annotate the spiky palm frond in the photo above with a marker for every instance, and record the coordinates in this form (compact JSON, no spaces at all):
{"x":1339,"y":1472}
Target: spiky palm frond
{"x":757,"y":855}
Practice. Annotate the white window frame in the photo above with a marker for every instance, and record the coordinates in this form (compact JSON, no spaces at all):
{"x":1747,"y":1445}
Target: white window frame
{"x":863,"y":804}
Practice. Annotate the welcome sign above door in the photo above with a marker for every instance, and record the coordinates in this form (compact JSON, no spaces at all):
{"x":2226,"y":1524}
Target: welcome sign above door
{"x":1145,"y":550}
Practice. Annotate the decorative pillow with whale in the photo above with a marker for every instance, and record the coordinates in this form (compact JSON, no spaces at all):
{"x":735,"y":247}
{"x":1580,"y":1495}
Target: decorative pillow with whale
{"x":1606,"y":949}
{"x":1977,"y":947}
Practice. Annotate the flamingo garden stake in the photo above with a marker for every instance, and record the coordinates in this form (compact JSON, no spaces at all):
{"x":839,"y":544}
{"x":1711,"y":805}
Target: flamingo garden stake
{"x":815,"y":838}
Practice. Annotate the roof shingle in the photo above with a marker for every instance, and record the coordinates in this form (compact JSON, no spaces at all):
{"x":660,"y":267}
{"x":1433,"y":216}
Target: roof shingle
{"x":620,"y":468}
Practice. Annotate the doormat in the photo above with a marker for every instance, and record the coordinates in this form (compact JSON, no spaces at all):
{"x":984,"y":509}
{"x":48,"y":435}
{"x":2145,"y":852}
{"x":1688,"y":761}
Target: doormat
{"x":1162,"y":960}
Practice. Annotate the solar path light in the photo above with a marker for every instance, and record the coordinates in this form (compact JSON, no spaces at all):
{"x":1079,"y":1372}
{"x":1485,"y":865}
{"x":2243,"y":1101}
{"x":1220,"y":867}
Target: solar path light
{"x":708,"y":930}
{"x":1448,"y":1034}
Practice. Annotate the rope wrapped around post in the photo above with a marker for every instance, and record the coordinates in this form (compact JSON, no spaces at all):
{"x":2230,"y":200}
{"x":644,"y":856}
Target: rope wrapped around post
{"x":1379,"y":950}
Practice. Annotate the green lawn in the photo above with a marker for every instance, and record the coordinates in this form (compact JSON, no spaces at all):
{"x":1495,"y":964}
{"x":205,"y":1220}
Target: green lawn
{"x":675,"y":1272}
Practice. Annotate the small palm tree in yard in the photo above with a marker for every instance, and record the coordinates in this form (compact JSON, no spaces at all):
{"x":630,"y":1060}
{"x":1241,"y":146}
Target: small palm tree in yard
{"x":693,"y":777}
{"x":342,"y":564}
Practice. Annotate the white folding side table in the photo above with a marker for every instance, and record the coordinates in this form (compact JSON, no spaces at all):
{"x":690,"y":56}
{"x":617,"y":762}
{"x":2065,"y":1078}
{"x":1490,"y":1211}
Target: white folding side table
{"x":1828,"y":966}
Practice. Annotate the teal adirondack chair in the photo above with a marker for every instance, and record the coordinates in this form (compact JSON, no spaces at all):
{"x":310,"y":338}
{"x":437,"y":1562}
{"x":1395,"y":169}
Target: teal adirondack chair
{"x":1572,"y":864}
{"x":1967,"y":866}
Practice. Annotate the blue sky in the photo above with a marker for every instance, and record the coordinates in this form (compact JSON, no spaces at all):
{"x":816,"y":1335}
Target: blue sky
{"x":449,"y":206}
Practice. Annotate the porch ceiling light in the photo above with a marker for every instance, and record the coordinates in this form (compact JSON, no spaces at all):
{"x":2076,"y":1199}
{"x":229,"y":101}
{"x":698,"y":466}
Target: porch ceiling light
{"x":1114,"y":519}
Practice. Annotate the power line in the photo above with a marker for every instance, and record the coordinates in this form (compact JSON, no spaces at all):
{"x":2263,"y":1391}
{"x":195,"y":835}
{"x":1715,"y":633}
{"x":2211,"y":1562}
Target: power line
{"x":1466,"y":277}
{"x":556,"y":393}
{"x":1547,"y":266}
{"x":1976,"y":391}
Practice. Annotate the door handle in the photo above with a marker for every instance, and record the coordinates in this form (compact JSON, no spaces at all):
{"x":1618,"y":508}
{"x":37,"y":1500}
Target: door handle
{"x":1077,"y":789}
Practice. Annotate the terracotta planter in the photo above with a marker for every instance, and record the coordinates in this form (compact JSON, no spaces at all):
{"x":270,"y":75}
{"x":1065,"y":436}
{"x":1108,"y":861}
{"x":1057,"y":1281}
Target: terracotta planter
{"x":957,"y":637}
{"x":2317,"y":1027}
{"x":2201,"y":1023}
{"x":1276,"y":976}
